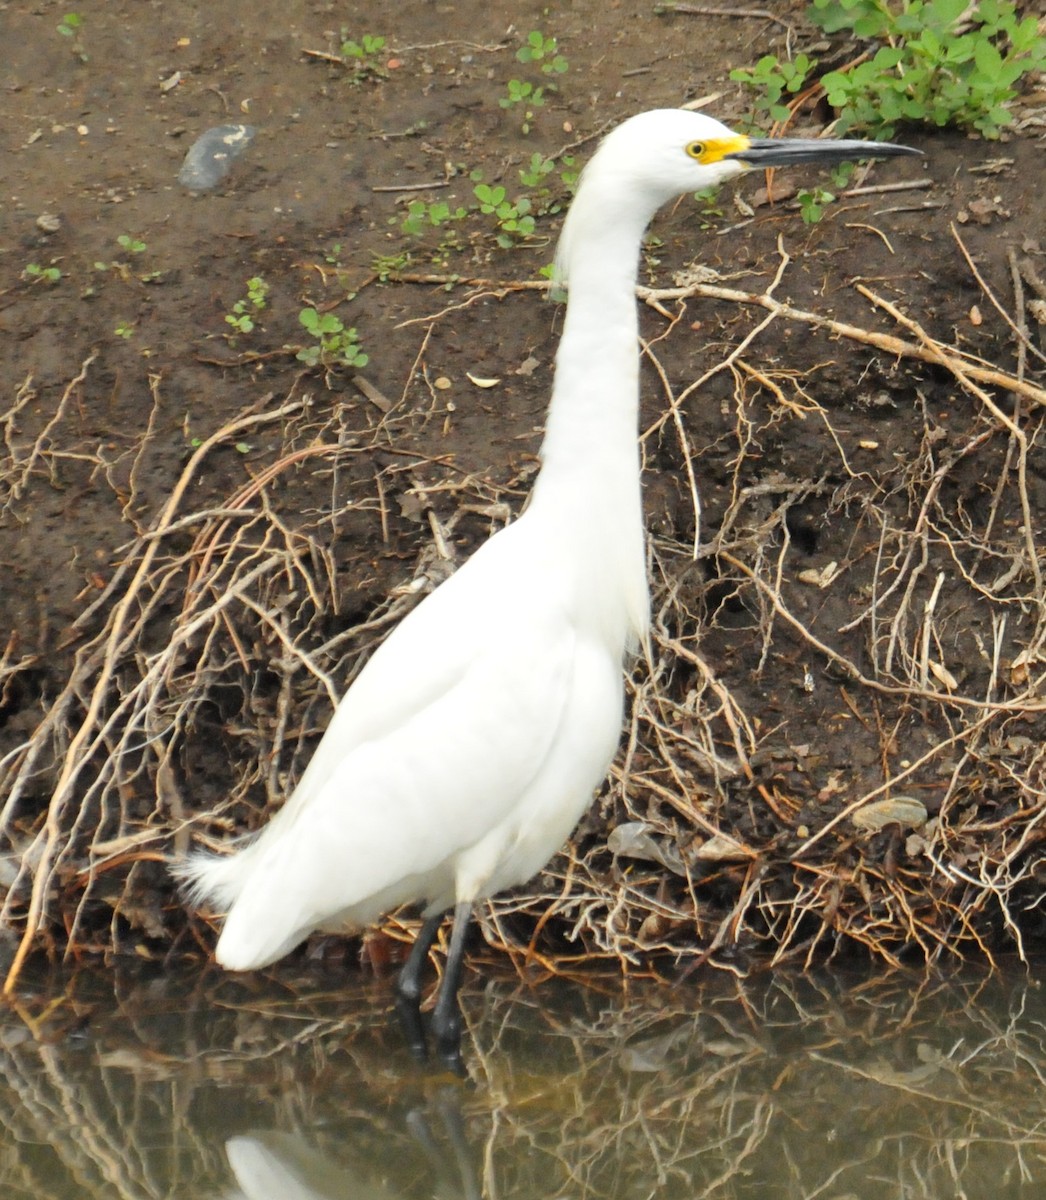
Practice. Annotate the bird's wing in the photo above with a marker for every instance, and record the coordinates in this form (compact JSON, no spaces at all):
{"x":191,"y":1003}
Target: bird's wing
{"x":427,"y":655}
{"x":401,"y":805}
{"x":383,"y":821}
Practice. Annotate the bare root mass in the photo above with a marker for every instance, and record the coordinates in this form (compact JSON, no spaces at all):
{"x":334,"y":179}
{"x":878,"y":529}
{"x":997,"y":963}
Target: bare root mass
{"x":835,"y":736}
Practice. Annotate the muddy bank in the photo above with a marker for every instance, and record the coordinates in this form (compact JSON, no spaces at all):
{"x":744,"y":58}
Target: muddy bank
{"x":203,"y":534}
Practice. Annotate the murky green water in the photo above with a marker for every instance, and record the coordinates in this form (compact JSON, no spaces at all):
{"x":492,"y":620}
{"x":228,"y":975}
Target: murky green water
{"x":141,"y":1086}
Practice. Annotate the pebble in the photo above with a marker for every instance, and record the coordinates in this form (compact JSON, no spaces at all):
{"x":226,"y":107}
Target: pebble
{"x":212,"y":154}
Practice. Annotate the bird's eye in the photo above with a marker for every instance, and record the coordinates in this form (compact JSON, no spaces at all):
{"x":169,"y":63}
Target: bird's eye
{"x":696,"y":150}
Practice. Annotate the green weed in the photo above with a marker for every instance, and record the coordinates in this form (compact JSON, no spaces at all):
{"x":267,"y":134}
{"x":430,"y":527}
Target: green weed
{"x":536,"y":171}
{"x":708,"y":202}
{"x":334,"y":346}
{"x":386,"y":265}
{"x":368,"y":47}
{"x":775,"y":80}
{"x":520,"y":91}
{"x":244,"y":311}
{"x":37,"y":274}
{"x":569,"y":172}
{"x":842,"y":173}
{"x":71,"y":27}
{"x":539,"y":173}
{"x":945,"y":62}
{"x":942,"y":62}
{"x":812,"y":203}
{"x":651,"y":251}
{"x":423,"y":215}
{"x":364,"y":56}
{"x":543,"y":51}
{"x":131,"y":244}
{"x":515,"y":221}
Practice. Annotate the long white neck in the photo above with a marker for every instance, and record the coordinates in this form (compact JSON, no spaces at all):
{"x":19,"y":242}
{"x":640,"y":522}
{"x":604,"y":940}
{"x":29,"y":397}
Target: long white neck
{"x":589,"y":485}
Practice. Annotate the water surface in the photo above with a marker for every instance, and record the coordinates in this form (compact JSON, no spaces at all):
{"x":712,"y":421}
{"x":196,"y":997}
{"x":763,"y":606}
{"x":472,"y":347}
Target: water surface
{"x":140,"y":1085}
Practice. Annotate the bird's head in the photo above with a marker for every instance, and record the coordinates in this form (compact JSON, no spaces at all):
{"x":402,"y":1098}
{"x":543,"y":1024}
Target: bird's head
{"x":655,"y":156}
{"x":670,"y":151}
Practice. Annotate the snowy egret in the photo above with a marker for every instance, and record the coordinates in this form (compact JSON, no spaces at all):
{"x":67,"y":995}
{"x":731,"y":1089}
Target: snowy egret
{"x":469,"y":746}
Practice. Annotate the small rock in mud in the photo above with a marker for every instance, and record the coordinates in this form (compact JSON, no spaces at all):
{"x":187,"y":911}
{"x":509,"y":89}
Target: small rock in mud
{"x":212,"y":154}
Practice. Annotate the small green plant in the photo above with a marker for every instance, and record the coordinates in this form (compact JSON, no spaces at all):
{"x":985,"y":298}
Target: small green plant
{"x":812,"y":203}
{"x":124,"y":330}
{"x":536,"y":171}
{"x":131,"y":244}
{"x":515,"y":220}
{"x":386,"y":265}
{"x":364,"y":56}
{"x":520,"y":91}
{"x":334,"y":346}
{"x":369,"y":46}
{"x":37,"y":274}
{"x":709,"y":203}
{"x":651,"y":248}
{"x":244,"y":311}
{"x":545,"y":51}
{"x":539,"y":173}
{"x":71,"y":27}
{"x":843,"y":173}
{"x":776,"y":80}
{"x":942,"y":62}
{"x":569,"y":172}
{"x":945,"y":62}
{"x":423,"y":215}
{"x":542,"y":52}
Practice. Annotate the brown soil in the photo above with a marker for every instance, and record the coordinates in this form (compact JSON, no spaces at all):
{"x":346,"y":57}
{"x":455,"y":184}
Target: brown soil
{"x":864,"y":621}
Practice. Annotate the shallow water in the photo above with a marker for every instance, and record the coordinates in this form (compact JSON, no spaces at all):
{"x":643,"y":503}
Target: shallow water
{"x":136,"y":1084}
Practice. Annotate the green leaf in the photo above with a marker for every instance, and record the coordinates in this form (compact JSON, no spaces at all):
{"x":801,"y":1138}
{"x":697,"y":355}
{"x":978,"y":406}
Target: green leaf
{"x":987,"y":58}
{"x":947,"y":12}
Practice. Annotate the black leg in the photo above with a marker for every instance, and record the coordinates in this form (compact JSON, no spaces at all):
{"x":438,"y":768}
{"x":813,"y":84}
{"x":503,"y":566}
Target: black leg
{"x":450,"y":1110}
{"x":447,"y":1103}
{"x":446,"y":1019}
{"x":409,"y":983}
{"x":408,"y":987}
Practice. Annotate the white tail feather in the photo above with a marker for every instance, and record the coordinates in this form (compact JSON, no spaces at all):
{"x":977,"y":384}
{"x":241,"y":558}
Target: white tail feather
{"x":260,"y":925}
{"x":216,"y":880}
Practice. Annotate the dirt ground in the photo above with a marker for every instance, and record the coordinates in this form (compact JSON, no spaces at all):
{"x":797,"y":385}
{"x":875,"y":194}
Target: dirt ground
{"x":200,"y":535}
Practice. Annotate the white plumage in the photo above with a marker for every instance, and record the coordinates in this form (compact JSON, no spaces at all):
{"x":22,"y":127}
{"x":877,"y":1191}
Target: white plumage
{"x":470,"y":744}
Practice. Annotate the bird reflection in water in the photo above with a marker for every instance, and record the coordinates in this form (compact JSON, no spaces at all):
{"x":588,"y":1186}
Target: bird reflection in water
{"x":283,"y":1166}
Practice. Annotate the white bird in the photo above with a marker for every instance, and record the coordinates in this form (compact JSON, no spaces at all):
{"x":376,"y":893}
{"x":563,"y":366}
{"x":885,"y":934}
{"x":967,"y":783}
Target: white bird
{"x":470,"y":744}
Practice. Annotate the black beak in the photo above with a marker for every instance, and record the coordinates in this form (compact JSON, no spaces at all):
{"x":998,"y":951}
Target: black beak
{"x":784,"y":152}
